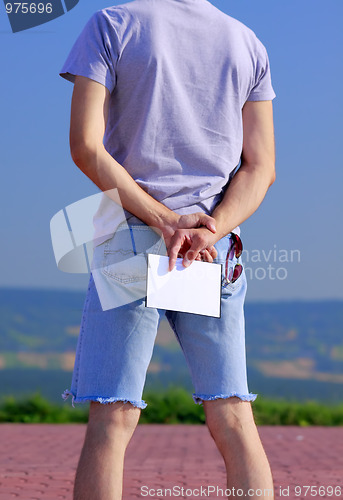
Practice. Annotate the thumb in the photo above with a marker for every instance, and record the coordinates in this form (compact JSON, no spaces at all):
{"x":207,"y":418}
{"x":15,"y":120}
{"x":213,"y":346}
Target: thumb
{"x":209,"y":222}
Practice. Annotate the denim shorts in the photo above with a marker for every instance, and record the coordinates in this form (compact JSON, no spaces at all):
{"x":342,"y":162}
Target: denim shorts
{"x":118,"y":331}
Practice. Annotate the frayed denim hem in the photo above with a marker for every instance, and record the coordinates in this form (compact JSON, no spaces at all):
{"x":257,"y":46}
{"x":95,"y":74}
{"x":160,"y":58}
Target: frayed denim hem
{"x":138,"y":404}
{"x":199,"y":398}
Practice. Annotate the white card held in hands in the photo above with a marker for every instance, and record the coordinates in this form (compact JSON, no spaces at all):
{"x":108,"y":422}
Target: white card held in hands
{"x":195,"y":289}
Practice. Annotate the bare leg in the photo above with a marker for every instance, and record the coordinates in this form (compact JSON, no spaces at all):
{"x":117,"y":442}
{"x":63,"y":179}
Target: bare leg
{"x":232,"y":426}
{"x":99,"y":475}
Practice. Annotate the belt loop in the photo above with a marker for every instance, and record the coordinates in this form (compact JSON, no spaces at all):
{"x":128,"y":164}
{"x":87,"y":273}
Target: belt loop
{"x":133,"y":241}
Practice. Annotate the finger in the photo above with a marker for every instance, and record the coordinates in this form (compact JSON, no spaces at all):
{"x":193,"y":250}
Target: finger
{"x":191,"y":254}
{"x":213,"y":252}
{"x":208,"y":221}
{"x":174,"y":248}
{"x":206,"y":256}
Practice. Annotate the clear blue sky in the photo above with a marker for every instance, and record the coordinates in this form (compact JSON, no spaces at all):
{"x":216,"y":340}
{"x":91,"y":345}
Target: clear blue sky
{"x":303,"y":209}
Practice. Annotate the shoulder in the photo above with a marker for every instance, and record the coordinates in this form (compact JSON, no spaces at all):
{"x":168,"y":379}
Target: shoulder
{"x":240,"y":30}
{"x":116,"y":17}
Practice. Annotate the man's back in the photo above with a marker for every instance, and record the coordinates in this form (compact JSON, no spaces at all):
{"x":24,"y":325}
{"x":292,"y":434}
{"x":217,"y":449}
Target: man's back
{"x":180,"y":72}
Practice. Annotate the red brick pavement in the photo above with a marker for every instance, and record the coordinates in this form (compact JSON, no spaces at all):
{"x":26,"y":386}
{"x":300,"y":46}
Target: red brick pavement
{"x":37,"y":462}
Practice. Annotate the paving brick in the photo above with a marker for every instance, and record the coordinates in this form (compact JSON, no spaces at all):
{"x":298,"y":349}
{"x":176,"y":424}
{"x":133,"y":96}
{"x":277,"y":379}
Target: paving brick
{"x":38,"y":462}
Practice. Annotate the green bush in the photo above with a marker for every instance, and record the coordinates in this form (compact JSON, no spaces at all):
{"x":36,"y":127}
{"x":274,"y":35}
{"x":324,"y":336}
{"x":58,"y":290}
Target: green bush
{"x":172,"y":407}
{"x":36,"y":409}
{"x":283,"y":412}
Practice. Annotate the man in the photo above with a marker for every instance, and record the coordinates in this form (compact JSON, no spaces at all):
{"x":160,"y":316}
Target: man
{"x":169,"y":96}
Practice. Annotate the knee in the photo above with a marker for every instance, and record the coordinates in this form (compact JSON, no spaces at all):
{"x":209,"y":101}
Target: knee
{"x":113,"y":421}
{"x":228,"y":419}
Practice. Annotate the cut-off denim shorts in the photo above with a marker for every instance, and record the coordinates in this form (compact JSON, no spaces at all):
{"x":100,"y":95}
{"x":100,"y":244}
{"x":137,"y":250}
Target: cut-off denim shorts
{"x":118,"y":331}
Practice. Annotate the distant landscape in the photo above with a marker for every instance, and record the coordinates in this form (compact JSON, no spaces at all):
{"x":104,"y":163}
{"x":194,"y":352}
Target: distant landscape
{"x":294,"y":349}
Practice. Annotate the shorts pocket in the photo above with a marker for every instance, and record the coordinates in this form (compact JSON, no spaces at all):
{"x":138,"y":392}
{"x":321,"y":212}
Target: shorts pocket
{"x":222,"y":247}
{"x":125,"y":254}
{"x":229,"y":288}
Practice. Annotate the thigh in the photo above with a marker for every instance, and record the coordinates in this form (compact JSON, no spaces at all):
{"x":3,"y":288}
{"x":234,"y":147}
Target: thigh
{"x":114,"y":351}
{"x":118,"y":332}
{"x":215,"y":347}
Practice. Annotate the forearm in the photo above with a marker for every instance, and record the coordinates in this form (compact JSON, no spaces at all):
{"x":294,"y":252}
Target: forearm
{"x":106,"y":173}
{"x":243,"y":196}
{"x":89,"y":115}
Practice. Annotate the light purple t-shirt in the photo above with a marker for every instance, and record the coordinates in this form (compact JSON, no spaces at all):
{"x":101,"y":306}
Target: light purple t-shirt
{"x":179,"y":73}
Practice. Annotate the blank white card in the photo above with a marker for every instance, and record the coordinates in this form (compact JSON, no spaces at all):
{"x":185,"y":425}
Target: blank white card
{"x":195,"y":289}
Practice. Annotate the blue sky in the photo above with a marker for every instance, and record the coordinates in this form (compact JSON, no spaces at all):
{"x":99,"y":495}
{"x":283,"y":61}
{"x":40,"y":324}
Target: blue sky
{"x":302,"y":211}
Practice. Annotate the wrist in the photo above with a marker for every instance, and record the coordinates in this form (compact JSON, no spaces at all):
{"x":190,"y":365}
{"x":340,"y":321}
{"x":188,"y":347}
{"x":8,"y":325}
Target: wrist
{"x":165,"y":220}
{"x":222,"y":225}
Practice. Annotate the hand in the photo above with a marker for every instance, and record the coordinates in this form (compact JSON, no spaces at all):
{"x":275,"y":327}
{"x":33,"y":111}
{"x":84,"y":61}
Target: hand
{"x":188,"y":221}
{"x":191,"y":221}
{"x":192,"y":243}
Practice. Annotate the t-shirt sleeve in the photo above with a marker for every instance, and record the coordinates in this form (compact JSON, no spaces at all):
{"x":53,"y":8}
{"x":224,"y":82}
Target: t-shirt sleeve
{"x":262,"y":89}
{"x":95,"y":53}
